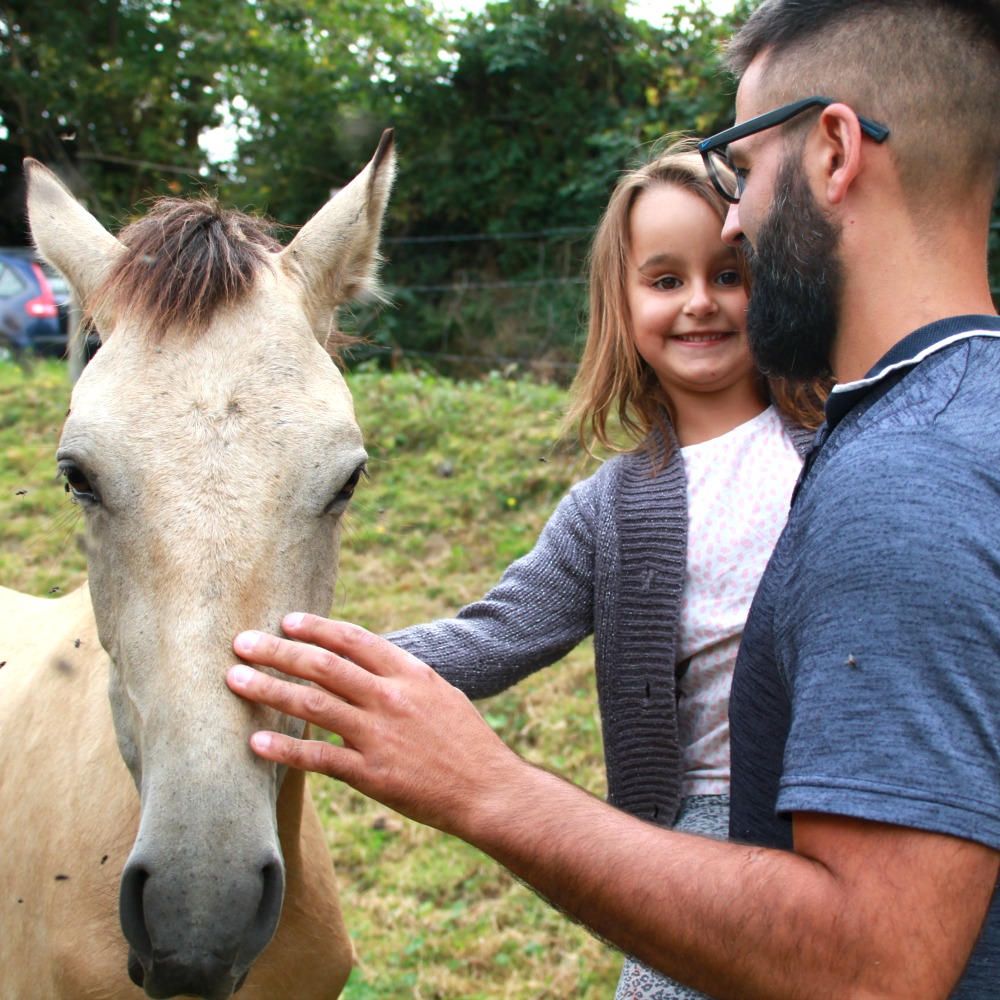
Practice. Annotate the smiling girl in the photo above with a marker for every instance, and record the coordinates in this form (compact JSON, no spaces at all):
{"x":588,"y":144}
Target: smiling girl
{"x":658,"y":553}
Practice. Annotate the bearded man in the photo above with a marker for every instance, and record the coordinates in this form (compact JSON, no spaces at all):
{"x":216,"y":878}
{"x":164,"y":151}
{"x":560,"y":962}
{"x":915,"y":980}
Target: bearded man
{"x":865,"y":712}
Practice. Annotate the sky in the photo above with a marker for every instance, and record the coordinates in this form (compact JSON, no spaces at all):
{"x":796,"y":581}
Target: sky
{"x":648,"y":10}
{"x":652,"y":10}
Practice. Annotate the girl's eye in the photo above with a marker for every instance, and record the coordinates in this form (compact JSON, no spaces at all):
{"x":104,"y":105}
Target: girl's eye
{"x":667,"y":283}
{"x":730,"y":279}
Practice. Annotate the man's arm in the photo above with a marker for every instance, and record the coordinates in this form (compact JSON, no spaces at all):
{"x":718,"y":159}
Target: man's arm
{"x":859,"y":910}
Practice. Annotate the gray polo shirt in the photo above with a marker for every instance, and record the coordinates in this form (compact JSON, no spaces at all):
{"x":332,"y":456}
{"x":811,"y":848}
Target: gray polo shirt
{"x":868,"y":681}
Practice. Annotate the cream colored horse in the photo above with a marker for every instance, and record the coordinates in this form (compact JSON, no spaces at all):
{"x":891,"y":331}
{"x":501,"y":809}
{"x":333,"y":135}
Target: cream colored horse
{"x":212,"y":447}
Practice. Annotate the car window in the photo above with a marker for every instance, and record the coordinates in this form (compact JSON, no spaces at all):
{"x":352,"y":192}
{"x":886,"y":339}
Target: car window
{"x":11,"y":283}
{"x":58,"y":284}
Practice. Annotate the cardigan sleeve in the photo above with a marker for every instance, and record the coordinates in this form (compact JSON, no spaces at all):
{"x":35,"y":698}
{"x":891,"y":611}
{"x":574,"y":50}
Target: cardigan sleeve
{"x":539,"y":610}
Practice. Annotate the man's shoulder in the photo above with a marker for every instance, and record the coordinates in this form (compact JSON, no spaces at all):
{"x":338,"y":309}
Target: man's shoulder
{"x":950,"y":392}
{"x":915,"y":463}
{"x":942,"y":411}
{"x":901,"y":476}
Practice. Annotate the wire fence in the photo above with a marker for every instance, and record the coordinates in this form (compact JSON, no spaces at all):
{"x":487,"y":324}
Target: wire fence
{"x":512,"y":300}
{"x":482,"y":318}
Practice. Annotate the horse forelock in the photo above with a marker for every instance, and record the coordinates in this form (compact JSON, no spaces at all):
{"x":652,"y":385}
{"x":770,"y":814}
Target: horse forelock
{"x":182,"y":261}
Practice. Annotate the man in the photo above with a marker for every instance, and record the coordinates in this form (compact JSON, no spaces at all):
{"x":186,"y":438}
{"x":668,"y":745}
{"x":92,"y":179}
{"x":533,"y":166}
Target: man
{"x":866,"y":702}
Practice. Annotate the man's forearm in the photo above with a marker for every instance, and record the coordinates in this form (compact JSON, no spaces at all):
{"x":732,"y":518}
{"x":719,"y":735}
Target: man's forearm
{"x":860,"y":909}
{"x":735,"y":920}
{"x":704,"y":912}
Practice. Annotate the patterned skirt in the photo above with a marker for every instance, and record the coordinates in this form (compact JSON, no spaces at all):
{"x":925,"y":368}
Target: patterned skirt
{"x":707,"y":815}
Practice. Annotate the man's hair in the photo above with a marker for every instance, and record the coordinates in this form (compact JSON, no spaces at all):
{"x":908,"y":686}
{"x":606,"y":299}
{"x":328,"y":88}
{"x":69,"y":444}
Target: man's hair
{"x":929,"y":70}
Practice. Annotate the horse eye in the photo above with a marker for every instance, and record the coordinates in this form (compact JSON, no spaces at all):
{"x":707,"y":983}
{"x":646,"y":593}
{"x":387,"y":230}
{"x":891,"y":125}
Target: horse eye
{"x":347,"y":490}
{"x":76,"y":481}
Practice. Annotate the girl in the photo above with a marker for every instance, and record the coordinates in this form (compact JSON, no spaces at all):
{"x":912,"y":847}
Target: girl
{"x":659,"y":552}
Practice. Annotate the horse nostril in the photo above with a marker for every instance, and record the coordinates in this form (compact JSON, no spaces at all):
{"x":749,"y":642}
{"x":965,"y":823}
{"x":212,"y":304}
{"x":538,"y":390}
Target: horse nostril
{"x":175,"y":949}
{"x":133,"y":920}
{"x":268,"y":910}
{"x":135,"y":970}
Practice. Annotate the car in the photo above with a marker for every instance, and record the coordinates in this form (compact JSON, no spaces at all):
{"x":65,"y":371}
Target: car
{"x":34,"y":304}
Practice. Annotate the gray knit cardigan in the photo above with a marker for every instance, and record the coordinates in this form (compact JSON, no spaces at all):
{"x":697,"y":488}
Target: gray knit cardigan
{"x":610,"y":561}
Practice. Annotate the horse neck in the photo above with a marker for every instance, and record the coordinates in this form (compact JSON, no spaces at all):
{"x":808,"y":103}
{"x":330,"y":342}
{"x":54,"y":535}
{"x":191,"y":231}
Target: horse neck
{"x":291,"y":802}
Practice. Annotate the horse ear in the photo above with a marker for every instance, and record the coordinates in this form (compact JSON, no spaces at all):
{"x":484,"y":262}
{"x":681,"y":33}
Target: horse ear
{"x":68,"y":236}
{"x":335,"y":255}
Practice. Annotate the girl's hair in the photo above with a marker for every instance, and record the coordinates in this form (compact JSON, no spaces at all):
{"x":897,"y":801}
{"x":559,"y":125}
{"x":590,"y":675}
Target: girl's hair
{"x":613,"y":379}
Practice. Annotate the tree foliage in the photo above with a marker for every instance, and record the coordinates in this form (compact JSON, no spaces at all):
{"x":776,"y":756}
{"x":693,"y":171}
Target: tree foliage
{"x":515,"y":120}
{"x":541,"y":108}
{"x":319,"y":82}
{"x":544,"y":105}
{"x":112,"y":93}
{"x":533,"y":102}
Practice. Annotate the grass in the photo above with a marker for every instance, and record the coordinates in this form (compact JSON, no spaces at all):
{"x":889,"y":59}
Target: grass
{"x":463,"y":476}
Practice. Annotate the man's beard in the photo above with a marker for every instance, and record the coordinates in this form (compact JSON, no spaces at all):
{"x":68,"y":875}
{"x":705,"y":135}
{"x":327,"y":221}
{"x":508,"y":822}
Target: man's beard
{"x":795,"y":273}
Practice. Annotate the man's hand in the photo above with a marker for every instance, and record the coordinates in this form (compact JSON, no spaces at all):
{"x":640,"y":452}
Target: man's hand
{"x":860,"y":909}
{"x":411,"y":740}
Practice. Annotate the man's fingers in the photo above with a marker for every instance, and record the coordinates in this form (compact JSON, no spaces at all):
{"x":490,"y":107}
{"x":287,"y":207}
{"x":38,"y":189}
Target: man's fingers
{"x":306,"y":755}
{"x":340,"y":677}
{"x":339,"y":656}
{"x":365,"y":649}
{"x":289,"y":657}
{"x":310,"y":703}
{"x":407,"y":732}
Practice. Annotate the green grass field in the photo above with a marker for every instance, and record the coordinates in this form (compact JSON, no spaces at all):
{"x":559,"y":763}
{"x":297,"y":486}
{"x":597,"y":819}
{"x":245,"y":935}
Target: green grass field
{"x":463,"y":476}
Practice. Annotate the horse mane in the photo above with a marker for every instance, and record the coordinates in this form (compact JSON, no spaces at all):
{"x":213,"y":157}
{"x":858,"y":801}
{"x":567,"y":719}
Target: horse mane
{"x":182,"y":261}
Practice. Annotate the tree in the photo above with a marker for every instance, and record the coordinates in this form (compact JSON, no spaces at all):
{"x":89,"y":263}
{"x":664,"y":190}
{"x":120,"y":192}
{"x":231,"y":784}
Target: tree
{"x":112,"y":94}
{"x":545,"y":103}
{"x":318,"y":84}
{"x":116,"y":94}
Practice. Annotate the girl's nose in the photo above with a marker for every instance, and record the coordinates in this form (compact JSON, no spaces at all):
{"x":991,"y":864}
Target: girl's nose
{"x":701,"y":301}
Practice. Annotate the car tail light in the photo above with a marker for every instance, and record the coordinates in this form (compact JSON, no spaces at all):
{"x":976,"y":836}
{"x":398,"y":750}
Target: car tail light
{"x":44,"y":306}
{"x":40,"y":309}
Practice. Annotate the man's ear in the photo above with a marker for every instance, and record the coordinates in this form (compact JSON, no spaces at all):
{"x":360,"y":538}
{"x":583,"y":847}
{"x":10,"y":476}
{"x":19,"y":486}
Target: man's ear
{"x":840,"y":139}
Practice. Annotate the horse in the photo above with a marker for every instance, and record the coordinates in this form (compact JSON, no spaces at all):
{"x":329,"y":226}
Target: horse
{"x":212,"y":447}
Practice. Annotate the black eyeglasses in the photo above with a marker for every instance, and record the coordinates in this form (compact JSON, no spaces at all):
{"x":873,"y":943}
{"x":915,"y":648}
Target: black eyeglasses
{"x":727,"y":178}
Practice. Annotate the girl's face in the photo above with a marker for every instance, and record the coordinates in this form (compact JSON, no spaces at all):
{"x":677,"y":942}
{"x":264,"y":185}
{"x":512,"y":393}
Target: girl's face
{"x":685,"y":295}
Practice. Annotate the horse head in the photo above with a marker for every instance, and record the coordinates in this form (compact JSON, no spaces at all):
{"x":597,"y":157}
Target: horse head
{"x":212,"y":447}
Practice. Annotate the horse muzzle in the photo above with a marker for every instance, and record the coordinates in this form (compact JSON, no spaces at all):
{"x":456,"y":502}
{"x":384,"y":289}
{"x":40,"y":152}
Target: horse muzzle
{"x":185,"y":941}
{"x":166,"y":978}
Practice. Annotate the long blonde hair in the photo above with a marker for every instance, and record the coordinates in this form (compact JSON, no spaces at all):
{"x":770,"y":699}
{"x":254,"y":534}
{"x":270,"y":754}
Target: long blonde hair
{"x":613,"y":379}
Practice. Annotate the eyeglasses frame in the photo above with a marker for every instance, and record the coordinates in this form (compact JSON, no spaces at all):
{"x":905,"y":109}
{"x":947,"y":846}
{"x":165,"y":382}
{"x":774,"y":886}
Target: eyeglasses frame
{"x":760,"y":124}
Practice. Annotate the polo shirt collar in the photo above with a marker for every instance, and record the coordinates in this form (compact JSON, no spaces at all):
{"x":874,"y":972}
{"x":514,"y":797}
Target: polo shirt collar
{"x":909,"y":351}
